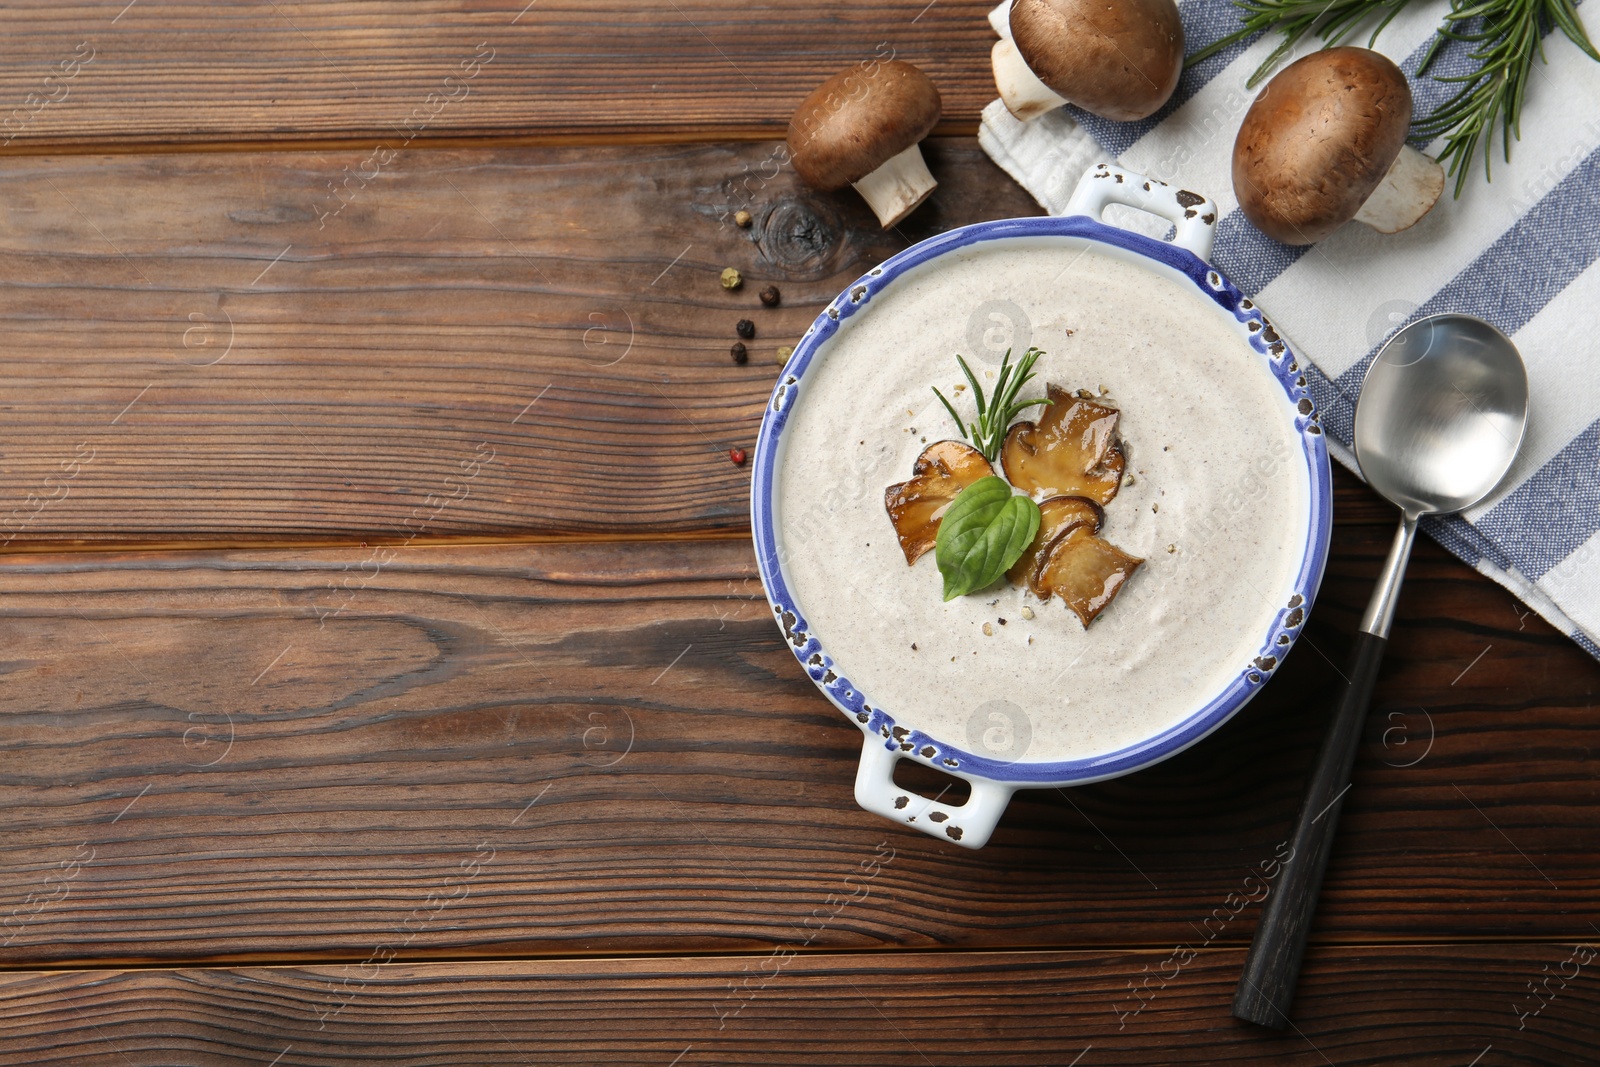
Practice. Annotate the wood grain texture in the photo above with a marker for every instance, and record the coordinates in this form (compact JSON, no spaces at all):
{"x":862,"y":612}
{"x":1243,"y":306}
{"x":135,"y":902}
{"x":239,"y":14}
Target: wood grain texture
{"x":1418,"y":1006}
{"x":495,"y":342}
{"x":190,"y":71}
{"x":485,"y":309}
{"x":272,"y":755}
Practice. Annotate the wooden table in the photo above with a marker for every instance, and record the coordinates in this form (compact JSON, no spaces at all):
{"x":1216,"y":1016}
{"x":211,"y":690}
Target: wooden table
{"x":385,"y":673}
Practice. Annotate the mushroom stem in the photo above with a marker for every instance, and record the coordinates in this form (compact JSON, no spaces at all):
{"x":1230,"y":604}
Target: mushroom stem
{"x":1406,"y":193}
{"x":898,"y":185}
{"x":1024,"y":95}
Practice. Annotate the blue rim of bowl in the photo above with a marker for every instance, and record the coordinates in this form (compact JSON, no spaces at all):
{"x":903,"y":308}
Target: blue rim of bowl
{"x":1288,"y":621}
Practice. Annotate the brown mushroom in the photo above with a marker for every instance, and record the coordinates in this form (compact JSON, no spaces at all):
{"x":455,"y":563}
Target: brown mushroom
{"x":861,"y":127}
{"x":1325,"y":143}
{"x":1086,"y":572}
{"x":1072,"y":450}
{"x":1058,"y":516}
{"x":1119,"y":60}
{"x":916,"y":506}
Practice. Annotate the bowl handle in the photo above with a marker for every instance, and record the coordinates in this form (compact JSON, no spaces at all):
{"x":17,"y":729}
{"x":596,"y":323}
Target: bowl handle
{"x":1195,"y":216}
{"x":968,"y":825}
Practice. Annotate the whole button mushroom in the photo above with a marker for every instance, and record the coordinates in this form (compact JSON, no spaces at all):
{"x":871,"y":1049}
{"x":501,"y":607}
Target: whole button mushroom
{"x":861,"y":127}
{"x":1325,"y":143}
{"x":1119,"y":59}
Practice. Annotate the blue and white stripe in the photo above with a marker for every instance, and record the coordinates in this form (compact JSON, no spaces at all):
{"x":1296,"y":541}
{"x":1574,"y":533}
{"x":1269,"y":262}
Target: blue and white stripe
{"x":1522,"y":252}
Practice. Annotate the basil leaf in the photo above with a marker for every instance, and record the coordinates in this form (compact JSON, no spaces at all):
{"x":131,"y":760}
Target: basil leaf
{"x":982,"y":533}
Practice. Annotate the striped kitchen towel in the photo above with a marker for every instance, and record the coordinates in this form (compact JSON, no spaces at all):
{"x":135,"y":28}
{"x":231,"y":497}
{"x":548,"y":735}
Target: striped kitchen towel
{"x":1522,"y":252}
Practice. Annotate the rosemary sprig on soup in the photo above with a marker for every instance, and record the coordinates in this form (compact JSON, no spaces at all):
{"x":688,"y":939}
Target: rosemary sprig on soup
{"x":994,"y":416}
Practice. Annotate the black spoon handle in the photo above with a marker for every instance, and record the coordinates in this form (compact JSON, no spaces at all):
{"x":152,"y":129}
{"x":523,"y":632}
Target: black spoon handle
{"x":1272,"y":969}
{"x":1266,"y":988}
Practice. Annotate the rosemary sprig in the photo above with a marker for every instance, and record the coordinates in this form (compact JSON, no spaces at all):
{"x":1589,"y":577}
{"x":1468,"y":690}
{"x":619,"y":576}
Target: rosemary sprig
{"x":1332,"y":20}
{"x":1508,"y":37}
{"x":1506,"y":34}
{"x":996,"y":413}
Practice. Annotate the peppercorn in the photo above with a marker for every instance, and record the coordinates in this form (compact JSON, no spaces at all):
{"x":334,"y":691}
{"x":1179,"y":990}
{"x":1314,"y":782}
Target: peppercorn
{"x":742,"y":219}
{"x":770,"y":296}
{"x":731,"y":278}
{"x":737,"y":455}
{"x":740,"y":354}
{"x":745,"y":328}
{"x":784,"y":352}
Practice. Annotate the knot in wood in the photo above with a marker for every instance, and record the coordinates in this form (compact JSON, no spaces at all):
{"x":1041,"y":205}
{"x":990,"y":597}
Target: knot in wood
{"x":800,"y":237}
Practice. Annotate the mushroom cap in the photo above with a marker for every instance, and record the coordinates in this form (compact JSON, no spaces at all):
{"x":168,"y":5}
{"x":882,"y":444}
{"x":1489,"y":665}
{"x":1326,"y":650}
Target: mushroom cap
{"x":858,"y":119}
{"x":1318,"y":140}
{"x":1119,"y":59}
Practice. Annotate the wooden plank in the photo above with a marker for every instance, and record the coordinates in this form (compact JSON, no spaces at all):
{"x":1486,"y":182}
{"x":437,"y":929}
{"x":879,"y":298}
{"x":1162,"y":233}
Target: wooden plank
{"x":262,"y":755}
{"x":486,"y":342}
{"x":182,"y":70}
{"x":1451,"y":1005}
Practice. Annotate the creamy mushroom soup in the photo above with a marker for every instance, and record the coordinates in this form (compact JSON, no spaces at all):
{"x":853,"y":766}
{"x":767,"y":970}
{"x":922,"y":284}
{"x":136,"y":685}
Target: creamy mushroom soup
{"x":1215,"y":500}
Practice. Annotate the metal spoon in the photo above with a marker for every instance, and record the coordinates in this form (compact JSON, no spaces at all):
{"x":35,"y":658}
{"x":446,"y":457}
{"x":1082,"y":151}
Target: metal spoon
{"x":1439,"y":420}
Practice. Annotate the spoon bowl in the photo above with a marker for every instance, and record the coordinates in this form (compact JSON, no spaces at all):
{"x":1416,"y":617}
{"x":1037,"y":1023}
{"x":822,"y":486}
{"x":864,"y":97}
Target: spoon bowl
{"x":1442,"y":413}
